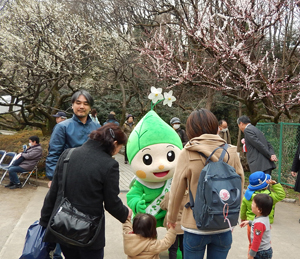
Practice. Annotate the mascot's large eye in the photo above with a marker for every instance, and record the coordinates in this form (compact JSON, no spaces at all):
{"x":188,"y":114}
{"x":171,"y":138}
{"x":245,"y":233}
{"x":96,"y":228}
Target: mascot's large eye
{"x":147,"y":159}
{"x":171,"y":156}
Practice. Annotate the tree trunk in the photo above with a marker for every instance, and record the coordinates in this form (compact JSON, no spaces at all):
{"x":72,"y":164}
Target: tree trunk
{"x":210,"y":98}
{"x":123,"y":104}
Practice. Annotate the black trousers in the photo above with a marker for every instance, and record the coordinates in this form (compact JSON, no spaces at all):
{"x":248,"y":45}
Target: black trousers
{"x":81,"y":253}
{"x":173,"y":249}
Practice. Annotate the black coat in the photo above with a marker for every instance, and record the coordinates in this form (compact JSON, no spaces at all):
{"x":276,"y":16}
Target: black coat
{"x":92,"y":180}
{"x":259,"y":150}
{"x":296,"y":168}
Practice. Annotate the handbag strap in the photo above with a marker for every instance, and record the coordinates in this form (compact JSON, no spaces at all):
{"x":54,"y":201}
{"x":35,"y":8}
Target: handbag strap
{"x":66,"y":161}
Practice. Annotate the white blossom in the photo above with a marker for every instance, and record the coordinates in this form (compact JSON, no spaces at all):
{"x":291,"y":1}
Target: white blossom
{"x":156,"y":94}
{"x":169,"y":98}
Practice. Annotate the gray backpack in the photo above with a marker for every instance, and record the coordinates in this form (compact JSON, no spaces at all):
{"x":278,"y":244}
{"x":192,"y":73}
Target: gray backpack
{"x":218,"y":196}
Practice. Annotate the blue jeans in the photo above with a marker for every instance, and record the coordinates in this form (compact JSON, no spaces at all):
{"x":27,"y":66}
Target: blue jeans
{"x":265,"y":254}
{"x":13,"y":170}
{"x":57,"y":252}
{"x":217,"y":245}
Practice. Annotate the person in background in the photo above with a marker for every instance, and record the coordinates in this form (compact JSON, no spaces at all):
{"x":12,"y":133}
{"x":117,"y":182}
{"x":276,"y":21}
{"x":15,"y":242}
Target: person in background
{"x":70,"y":133}
{"x":94,"y":117}
{"x":60,"y":116}
{"x":111,"y":119}
{"x":260,"y":153}
{"x":92,"y":184}
{"x":295,"y":171}
{"x":128,"y":127}
{"x":202,"y":131}
{"x":175,"y":123}
{"x":224,"y":131}
{"x":25,"y":162}
{"x":260,"y":227}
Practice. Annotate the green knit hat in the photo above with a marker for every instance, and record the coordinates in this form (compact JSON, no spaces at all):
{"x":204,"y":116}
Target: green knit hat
{"x":151,"y":130}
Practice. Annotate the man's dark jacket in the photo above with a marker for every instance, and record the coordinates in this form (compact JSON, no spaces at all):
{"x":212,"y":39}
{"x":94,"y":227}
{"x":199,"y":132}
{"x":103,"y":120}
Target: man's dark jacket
{"x":259,"y":150}
{"x":92,"y":180}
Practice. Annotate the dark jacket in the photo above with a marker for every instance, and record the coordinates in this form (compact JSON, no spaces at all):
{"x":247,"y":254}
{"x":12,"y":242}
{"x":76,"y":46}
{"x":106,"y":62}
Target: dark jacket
{"x":181,"y":133}
{"x":31,"y":156}
{"x":92,"y":180}
{"x":259,"y":150}
{"x":296,"y":161}
{"x":67,"y":134}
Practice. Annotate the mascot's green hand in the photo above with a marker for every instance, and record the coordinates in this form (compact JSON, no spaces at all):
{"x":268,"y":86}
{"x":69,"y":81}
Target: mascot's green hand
{"x":141,"y":205}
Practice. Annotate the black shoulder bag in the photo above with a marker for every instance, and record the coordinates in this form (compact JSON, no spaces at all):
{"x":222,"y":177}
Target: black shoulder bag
{"x":71,"y":225}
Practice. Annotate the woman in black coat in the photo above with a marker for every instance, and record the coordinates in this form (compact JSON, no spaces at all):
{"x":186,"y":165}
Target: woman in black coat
{"x":92,"y":180}
{"x":296,"y":170}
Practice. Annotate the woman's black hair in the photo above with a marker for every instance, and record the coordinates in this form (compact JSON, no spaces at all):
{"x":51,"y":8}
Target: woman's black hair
{"x":145,"y":225}
{"x":107,"y":134}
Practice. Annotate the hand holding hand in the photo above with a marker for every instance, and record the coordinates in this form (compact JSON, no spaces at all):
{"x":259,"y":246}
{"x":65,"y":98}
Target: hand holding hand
{"x":171,"y":225}
{"x":294,"y":174}
{"x":141,"y":205}
{"x":129,"y":214}
{"x":244,"y":223}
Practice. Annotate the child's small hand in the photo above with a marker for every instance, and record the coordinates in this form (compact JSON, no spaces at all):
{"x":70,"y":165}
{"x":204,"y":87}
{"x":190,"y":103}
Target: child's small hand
{"x":244,"y":223}
{"x":270,"y":181}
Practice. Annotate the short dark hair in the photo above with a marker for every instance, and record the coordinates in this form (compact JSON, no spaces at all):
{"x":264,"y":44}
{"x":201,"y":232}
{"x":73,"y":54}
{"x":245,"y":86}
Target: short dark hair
{"x":264,"y":203}
{"x":201,"y":122}
{"x":93,"y":112}
{"x":145,"y":225}
{"x":221,"y":122}
{"x":244,"y":119}
{"x":107,"y":134}
{"x":35,"y":138}
{"x":86,"y":94}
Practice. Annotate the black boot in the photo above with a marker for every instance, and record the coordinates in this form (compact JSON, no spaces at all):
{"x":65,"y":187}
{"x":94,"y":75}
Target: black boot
{"x":15,"y":186}
{"x":9,"y":185}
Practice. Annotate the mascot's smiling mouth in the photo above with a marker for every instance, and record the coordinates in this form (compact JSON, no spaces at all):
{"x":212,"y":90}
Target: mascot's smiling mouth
{"x":161,"y":174}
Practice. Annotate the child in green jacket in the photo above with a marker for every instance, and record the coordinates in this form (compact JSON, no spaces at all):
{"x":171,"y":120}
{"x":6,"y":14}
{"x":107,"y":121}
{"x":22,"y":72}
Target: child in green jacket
{"x":258,"y":183}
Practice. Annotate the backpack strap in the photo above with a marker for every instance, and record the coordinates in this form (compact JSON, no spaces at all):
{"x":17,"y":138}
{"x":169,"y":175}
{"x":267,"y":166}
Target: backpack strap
{"x":224,"y":147}
{"x":66,"y":161}
{"x":191,"y":203}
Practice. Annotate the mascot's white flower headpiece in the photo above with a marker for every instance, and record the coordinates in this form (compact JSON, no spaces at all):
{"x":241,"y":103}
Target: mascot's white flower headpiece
{"x":151,"y":129}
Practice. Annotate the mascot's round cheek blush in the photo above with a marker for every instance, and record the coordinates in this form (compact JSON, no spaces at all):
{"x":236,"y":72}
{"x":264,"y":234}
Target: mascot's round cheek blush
{"x":141,"y":174}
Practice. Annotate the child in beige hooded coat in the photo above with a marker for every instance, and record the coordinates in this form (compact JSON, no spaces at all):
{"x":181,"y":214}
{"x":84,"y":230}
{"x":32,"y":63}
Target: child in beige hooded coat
{"x":140,"y":238}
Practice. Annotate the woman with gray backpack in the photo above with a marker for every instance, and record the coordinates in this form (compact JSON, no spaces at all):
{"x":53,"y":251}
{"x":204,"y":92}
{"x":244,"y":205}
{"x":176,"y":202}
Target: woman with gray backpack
{"x":212,"y":171}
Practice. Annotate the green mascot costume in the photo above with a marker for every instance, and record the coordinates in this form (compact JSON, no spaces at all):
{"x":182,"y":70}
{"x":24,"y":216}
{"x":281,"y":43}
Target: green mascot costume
{"x":153,"y":148}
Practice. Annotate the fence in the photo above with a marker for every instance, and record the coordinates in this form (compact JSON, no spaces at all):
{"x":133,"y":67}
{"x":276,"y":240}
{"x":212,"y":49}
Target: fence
{"x":284,"y":138}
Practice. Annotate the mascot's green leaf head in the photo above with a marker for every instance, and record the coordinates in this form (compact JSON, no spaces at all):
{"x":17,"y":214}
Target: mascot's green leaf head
{"x":153,"y":146}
